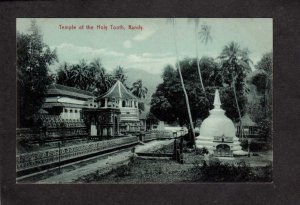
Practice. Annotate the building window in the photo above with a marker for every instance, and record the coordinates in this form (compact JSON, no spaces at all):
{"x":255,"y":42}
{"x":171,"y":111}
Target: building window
{"x":71,"y":110}
{"x":66,"y":110}
{"x":75,"y":111}
{"x":123,"y":103}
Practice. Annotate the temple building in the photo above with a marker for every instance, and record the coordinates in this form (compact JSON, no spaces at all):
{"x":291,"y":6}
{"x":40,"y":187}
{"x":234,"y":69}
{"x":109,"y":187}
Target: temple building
{"x":217,"y":133}
{"x":117,"y":112}
{"x":68,"y":102}
{"x":249,"y":128}
{"x":78,"y":112}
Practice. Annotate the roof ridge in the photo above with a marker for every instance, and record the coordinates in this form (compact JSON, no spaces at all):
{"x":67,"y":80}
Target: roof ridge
{"x":70,"y":89}
{"x":128,"y":91}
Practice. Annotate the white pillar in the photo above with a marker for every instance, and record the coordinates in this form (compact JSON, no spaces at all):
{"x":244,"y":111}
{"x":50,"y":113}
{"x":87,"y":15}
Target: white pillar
{"x":68,"y":114}
{"x":93,"y":131}
{"x":105,"y":103}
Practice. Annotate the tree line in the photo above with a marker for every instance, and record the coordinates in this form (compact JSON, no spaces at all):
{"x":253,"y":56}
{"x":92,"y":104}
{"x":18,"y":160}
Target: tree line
{"x":33,"y":77}
{"x":187,"y":91}
{"x":192,"y":82}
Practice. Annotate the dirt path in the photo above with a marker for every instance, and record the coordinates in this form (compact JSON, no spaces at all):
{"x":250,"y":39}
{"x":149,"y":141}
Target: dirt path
{"x":101,"y":164}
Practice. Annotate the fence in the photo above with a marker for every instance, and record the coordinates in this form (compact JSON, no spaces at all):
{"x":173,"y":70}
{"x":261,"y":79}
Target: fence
{"x":46,"y":157}
{"x":161,"y":134}
{"x":28,"y":134}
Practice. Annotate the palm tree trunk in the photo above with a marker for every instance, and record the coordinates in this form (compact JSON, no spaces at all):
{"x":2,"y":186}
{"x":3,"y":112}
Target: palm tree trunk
{"x":182,"y":84}
{"x":237,"y":105}
{"x":198,"y":60}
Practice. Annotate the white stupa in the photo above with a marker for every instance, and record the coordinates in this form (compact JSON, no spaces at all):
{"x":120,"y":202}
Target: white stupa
{"x":217,"y":133}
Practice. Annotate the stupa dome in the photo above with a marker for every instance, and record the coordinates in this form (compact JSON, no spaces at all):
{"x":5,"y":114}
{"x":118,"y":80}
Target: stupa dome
{"x":218,"y":131}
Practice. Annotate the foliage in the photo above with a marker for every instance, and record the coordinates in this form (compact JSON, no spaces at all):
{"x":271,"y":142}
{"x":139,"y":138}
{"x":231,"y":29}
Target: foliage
{"x":178,"y":66}
{"x":265,"y":131}
{"x":122,"y":171}
{"x":235,"y":64}
{"x":168,"y":101}
{"x":140,"y":92}
{"x":202,"y":151}
{"x":91,"y":77}
{"x":119,"y":74}
{"x":244,"y":144}
{"x":215,"y":171}
{"x":263,"y":82}
{"x":204,"y":36}
{"x":138,"y":89}
{"x":33,"y":60}
{"x":151,"y":119}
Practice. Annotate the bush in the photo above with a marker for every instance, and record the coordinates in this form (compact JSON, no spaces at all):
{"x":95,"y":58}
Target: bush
{"x":265,"y":131}
{"x":244,"y":144}
{"x":215,"y":171}
{"x":202,"y":151}
{"x":122,"y":171}
{"x":256,"y":146}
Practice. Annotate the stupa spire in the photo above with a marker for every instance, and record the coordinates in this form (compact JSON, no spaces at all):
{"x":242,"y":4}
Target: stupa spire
{"x":217,"y":101}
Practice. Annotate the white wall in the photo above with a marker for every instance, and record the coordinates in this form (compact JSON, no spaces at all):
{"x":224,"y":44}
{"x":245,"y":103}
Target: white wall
{"x":71,"y":100}
{"x":69,"y":115}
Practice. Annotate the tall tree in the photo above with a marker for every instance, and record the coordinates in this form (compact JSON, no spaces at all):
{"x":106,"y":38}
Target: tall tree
{"x":181,"y":79}
{"x":168,"y":100}
{"x":119,"y":74}
{"x":138,"y":89}
{"x":102,"y":80}
{"x":265,"y":68}
{"x":91,"y":77}
{"x":204,"y":36}
{"x":80,"y":74}
{"x":235,"y":64}
{"x":33,"y":60}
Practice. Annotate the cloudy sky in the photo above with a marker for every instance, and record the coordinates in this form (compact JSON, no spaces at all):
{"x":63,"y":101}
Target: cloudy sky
{"x":152,"y":47}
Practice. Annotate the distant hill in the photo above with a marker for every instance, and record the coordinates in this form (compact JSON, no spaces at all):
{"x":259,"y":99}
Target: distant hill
{"x":150,"y":81}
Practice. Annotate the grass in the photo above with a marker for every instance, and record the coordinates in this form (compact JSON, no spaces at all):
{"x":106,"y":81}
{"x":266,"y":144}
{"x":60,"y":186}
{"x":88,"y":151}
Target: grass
{"x":193,"y":170}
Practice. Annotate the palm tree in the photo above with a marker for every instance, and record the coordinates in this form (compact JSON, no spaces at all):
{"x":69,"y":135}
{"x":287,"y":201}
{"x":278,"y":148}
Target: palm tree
{"x":181,"y":80}
{"x":138,"y":89}
{"x":235,"y":62}
{"x":119,"y":74}
{"x":63,"y":74}
{"x":96,"y":74}
{"x":80,"y":75}
{"x":204,"y":36}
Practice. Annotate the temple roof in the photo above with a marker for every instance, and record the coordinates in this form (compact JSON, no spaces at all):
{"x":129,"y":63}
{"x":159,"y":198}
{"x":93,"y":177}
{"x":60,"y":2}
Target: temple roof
{"x":62,"y":90}
{"x":247,"y":121}
{"x":118,"y":90}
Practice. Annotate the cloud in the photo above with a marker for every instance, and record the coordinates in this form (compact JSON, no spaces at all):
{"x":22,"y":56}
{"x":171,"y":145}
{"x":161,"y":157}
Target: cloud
{"x":153,"y":63}
{"x":127,"y":44}
{"x":85,"y":50}
{"x":144,"y":34}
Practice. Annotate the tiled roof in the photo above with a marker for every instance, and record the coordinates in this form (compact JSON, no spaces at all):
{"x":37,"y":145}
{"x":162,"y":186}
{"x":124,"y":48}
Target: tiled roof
{"x":118,"y":90}
{"x":62,"y":90}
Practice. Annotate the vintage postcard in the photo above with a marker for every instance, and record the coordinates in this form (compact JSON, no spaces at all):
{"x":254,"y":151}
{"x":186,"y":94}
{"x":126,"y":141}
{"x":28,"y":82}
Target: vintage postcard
{"x":144,"y":100}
